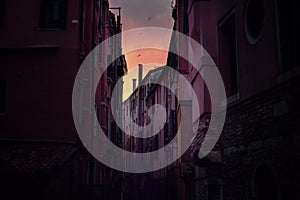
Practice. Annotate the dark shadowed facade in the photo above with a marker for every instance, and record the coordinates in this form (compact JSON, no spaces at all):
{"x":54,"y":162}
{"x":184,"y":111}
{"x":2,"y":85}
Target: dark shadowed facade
{"x":254,"y":45}
{"x":42,"y":45}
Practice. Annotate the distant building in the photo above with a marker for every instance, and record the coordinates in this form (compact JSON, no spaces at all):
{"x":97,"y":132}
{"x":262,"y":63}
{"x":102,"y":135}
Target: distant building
{"x":146,"y":186}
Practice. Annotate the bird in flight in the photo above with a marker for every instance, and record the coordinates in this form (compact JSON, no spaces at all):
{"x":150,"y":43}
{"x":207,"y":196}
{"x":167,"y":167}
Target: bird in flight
{"x":149,"y":18}
{"x":139,"y":55}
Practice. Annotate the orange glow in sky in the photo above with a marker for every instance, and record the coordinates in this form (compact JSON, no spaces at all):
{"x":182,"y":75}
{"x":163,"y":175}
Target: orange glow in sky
{"x":150,"y":58}
{"x":146,"y":56}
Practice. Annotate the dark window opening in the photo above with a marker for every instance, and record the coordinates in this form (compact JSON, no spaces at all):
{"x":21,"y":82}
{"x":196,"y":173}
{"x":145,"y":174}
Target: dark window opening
{"x":166,"y":134}
{"x":3,"y":96}
{"x":82,"y":19}
{"x":288,"y":29}
{"x":92,"y":172}
{"x":156,"y":142}
{"x":228,"y":54}
{"x":53,"y":14}
{"x":186,"y":18}
{"x":265,"y":185}
{"x":254,"y":20}
{"x":98,"y":113}
{"x":213,"y":192}
{"x":174,"y":123}
{"x":2,"y":10}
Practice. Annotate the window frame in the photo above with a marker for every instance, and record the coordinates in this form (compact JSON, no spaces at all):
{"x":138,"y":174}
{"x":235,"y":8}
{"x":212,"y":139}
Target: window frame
{"x":281,"y":17}
{"x":231,"y":13}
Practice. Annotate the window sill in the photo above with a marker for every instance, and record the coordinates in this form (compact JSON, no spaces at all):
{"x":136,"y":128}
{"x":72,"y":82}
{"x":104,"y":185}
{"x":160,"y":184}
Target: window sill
{"x":285,"y":76}
{"x":29,"y":48}
{"x":49,"y":29}
{"x":232,"y":99}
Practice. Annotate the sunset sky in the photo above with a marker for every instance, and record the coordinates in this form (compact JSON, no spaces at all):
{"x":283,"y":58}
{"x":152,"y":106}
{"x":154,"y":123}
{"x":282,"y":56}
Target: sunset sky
{"x":138,"y":14}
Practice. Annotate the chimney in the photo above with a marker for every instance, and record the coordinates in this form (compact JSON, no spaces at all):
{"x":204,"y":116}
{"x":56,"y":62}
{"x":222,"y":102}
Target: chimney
{"x":140,"y":74}
{"x":133,"y":84}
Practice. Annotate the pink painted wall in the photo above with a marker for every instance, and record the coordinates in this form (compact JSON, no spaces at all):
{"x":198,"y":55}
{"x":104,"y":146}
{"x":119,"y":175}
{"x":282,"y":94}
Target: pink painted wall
{"x":257,"y":64}
{"x":40,"y":67}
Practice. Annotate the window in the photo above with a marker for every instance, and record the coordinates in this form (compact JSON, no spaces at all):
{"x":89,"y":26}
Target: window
{"x":53,"y":14}
{"x":2,"y":10}
{"x":265,"y":185}
{"x":288,"y":33}
{"x":214,"y":191}
{"x":82,"y":19}
{"x":156,"y":141}
{"x":83,"y":169}
{"x":228,"y":53}
{"x":3,"y":96}
{"x":108,"y":123}
{"x":186,"y":17}
{"x":98,"y":113}
{"x":174,"y":122}
{"x":93,"y":172}
{"x":166,"y":133}
{"x":254,"y":20}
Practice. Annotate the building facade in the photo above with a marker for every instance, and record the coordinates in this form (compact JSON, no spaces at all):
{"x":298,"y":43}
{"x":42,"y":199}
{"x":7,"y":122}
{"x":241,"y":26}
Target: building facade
{"x":253,"y":43}
{"x":42,"y":44}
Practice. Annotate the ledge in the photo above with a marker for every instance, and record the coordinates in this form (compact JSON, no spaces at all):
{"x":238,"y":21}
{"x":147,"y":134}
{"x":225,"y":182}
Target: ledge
{"x":283,"y":77}
{"x":27,"y":48}
{"x":49,"y":29}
